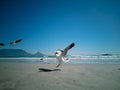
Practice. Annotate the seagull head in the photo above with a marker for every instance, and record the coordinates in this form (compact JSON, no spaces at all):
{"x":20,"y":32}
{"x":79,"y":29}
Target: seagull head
{"x":58,"y":52}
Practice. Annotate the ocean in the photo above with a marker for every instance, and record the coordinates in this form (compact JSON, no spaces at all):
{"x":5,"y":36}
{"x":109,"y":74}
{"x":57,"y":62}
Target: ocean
{"x":73,"y":60}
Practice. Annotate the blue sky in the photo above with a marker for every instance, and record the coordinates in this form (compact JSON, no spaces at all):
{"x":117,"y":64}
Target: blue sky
{"x":47,"y":25}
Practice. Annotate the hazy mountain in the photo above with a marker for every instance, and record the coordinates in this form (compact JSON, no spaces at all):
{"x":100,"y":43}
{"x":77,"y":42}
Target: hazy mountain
{"x":17,"y":52}
{"x":38,"y":54}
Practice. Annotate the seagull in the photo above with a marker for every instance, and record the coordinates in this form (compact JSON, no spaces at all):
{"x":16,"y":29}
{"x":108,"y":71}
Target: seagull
{"x":2,"y":44}
{"x":60,"y":54}
{"x":15,"y":42}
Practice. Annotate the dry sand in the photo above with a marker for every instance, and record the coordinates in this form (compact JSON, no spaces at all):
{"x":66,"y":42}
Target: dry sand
{"x":27,"y":76}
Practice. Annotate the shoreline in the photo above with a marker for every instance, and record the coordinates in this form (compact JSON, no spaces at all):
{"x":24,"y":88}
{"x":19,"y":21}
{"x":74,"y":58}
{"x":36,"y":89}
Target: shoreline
{"x":54,"y":61}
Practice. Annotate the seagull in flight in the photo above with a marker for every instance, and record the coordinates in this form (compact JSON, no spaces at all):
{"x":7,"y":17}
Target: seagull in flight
{"x":60,"y":54}
{"x":15,"y":42}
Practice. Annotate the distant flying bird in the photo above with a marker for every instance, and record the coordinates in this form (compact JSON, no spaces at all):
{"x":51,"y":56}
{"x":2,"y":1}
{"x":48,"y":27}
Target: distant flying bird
{"x":15,"y":42}
{"x":60,"y":54}
{"x":2,"y":44}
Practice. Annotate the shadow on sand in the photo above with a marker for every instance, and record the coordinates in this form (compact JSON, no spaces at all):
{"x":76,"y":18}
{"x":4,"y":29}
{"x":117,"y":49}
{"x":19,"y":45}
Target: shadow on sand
{"x":47,"y":70}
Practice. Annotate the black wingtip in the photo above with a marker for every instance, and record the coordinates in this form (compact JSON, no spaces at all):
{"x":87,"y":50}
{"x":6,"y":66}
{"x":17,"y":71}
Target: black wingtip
{"x":72,"y":44}
{"x":2,"y":44}
{"x":18,"y":39}
{"x":21,"y":39}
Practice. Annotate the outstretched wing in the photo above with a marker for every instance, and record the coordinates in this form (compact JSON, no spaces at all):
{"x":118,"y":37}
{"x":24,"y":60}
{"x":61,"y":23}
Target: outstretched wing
{"x":18,"y":40}
{"x":15,"y":42}
{"x":67,"y":48}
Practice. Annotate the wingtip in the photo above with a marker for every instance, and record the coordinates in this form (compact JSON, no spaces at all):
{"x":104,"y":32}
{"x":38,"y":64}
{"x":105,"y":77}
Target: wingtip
{"x":72,"y":44}
{"x":21,"y":39}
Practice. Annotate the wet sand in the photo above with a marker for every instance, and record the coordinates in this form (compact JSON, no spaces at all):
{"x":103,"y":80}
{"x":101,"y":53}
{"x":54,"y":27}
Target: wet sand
{"x":37,"y":76}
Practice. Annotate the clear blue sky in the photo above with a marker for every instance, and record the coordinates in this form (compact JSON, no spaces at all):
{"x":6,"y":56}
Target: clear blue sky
{"x":47,"y":25}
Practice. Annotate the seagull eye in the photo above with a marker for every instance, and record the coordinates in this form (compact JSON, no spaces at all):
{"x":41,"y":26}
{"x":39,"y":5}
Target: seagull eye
{"x":56,"y":53}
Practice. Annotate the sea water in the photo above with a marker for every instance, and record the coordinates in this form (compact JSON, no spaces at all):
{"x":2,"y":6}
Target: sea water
{"x":73,"y":60}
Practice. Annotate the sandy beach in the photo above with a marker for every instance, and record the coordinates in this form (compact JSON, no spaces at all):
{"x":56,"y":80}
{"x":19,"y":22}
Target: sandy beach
{"x":37,"y":76}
